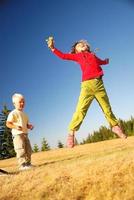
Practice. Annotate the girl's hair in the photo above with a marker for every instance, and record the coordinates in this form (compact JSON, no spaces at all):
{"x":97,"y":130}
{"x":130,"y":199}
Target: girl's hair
{"x":73,"y":50}
{"x":17,"y":96}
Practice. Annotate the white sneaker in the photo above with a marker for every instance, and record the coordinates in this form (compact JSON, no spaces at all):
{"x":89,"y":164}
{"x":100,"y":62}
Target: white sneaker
{"x":29,"y":165}
{"x":22,"y":168}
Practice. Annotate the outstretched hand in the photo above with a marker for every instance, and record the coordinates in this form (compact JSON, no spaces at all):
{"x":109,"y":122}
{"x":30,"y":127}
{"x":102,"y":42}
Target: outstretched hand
{"x":107,"y":60}
{"x":50,"y":42}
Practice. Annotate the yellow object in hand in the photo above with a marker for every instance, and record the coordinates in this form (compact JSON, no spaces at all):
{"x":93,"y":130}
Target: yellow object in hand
{"x":50,"y":42}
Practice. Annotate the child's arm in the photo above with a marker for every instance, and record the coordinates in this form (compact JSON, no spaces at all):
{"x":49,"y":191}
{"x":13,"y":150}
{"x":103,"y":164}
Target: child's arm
{"x":102,"y":62}
{"x":11,"y":125}
{"x":65,"y":56}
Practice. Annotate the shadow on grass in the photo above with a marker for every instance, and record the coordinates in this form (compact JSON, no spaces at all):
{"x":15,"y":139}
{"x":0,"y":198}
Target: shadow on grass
{"x":61,"y":160}
{"x":4,"y":172}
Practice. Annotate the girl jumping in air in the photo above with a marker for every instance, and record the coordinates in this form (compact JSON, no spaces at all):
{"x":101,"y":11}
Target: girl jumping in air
{"x":92,"y":87}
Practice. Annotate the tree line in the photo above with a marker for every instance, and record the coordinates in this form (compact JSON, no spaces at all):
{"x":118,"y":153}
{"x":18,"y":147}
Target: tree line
{"x":104,"y":133}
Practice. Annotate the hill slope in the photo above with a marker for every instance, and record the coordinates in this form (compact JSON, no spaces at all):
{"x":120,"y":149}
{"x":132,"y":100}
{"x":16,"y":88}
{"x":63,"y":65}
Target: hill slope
{"x":97,"y":171}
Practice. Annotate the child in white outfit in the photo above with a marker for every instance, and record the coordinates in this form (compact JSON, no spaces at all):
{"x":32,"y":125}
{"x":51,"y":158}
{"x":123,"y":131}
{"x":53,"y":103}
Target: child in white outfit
{"x":18,"y":121}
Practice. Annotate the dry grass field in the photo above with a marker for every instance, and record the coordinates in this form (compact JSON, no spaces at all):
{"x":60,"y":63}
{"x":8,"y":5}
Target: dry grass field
{"x":97,"y":171}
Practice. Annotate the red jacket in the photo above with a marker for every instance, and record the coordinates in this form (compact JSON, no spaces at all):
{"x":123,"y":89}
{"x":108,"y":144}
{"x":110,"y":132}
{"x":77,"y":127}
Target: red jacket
{"x":89,"y":63}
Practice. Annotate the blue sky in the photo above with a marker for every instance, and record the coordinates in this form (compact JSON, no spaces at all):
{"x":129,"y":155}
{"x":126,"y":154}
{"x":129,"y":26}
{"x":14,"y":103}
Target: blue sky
{"x":51,"y":86}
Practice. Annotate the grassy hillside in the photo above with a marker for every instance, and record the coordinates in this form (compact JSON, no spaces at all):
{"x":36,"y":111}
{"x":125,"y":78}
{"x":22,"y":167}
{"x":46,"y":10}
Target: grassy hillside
{"x":97,"y":171}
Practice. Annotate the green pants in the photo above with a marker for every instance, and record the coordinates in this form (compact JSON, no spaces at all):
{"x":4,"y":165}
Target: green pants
{"x":90,"y":90}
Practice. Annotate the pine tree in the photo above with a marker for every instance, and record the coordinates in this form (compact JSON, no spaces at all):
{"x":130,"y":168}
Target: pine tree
{"x":35,"y":148}
{"x":60,"y":145}
{"x":44,"y":145}
{"x":6,"y":142}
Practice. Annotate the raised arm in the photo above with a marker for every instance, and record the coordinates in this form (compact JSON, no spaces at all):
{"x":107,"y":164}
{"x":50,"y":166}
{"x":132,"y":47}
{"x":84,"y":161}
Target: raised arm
{"x":65,"y":56}
{"x":102,"y":62}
